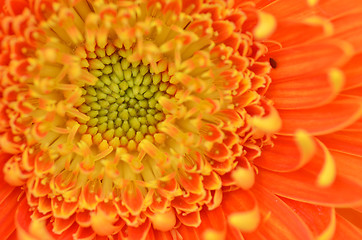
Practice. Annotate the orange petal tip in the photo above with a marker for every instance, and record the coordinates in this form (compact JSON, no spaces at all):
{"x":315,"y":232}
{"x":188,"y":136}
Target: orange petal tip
{"x":244,"y":178}
{"x":312,"y":3}
{"x":268,"y":124}
{"x":327,"y":175}
{"x":164,"y":221}
{"x":266,"y":25}
{"x":245,"y":221}
{"x":306,"y":145}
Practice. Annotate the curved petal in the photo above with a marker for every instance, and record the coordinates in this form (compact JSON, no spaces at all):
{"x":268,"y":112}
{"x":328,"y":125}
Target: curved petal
{"x":5,"y":188}
{"x":308,"y":58}
{"x":348,"y":166}
{"x":286,"y":9}
{"x":191,"y":219}
{"x":344,"y":141}
{"x":346,"y":230}
{"x":348,"y":27}
{"x":242,"y":210}
{"x":163,"y":235}
{"x":320,"y":220}
{"x":356,"y":91}
{"x":301,"y":185}
{"x":188,"y":232}
{"x":279,"y":221}
{"x":356,"y":126}
{"x":353,"y":72}
{"x":287,"y":153}
{"x":306,"y":91}
{"x":159,"y":235}
{"x":291,"y":33}
{"x":8,"y":206}
{"x":352,"y":215}
{"x":84,"y":233}
{"x":336,"y":7}
{"x":140,"y":232}
{"x":322,"y":120}
{"x":323,"y":163}
{"x":213,"y":224}
{"x":234,"y":233}
{"x":28,"y":229}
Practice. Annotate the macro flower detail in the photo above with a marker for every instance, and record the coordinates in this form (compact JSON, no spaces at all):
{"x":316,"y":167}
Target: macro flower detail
{"x":179,"y":119}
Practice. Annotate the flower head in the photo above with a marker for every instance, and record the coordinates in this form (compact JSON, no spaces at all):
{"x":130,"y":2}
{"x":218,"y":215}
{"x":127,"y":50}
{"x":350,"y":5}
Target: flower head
{"x":179,"y":119}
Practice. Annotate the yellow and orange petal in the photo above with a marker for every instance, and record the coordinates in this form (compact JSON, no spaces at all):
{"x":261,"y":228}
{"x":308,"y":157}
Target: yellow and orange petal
{"x":179,"y":119}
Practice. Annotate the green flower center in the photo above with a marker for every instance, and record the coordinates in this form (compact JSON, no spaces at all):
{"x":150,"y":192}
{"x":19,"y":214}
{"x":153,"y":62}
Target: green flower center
{"x":123,"y":104}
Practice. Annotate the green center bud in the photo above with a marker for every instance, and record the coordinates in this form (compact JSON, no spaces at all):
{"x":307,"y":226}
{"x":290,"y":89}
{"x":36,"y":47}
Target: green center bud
{"x":123,"y":104}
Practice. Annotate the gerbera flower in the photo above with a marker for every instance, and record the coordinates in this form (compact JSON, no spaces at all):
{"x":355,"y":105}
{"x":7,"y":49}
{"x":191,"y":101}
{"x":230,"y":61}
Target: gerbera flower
{"x":178,"y":119}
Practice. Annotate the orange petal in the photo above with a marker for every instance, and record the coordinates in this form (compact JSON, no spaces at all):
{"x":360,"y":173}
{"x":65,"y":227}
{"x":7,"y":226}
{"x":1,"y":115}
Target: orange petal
{"x":347,"y":27}
{"x":286,"y":9}
{"x":140,"y":232}
{"x":322,"y":163}
{"x":301,"y":185}
{"x":358,"y":208}
{"x":336,"y":7}
{"x":293,"y":33}
{"x":355,"y":127}
{"x":63,"y":209}
{"x":219,"y":152}
{"x":190,"y":6}
{"x":352,"y":215}
{"x":278,"y":220}
{"x":191,"y":219}
{"x":192,"y":182}
{"x":164,"y":221}
{"x":288,"y":153}
{"x":353,"y":72}
{"x":262,"y":3}
{"x":68,"y":234}
{"x":133,"y":199}
{"x":234,"y":233}
{"x":103,"y":219}
{"x":223,"y":30}
{"x":213,"y":224}
{"x":308,"y":58}
{"x":61,"y":225}
{"x":346,"y":230}
{"x":344,"y":141}
{"x":90,"y":195}
{"x":15,"y":7}
{"x":270,"y":123}
{"x":5,"y":188}
{"x":211,"y":133}
{"x":266,"y":25}
{"x":237,"y":18}
{"x":84,"y":234}
{"x":28,"y":228}
{"x":159,"y":235}
{"x":212,"y":181}
{"x":357,"y":92}
{"x":306,"y":91}
{"x":320,"y":220}
{"x":242,"y":210}
{"x":188,"y":232}
{"x":83,"y":218}
{"x":322,"y":120}
{"x":348,"y":166}
{"x":8,"y":206}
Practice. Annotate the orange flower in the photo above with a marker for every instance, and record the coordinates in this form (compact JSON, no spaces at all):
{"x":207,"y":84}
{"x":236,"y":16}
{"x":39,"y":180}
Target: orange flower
{"x":179,"y":119}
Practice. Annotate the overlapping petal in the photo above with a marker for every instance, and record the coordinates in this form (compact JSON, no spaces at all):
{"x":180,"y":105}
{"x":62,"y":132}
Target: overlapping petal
{"x":180,"y":119}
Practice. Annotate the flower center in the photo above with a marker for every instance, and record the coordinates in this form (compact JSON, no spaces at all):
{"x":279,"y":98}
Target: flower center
{"x":123,"y":104}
